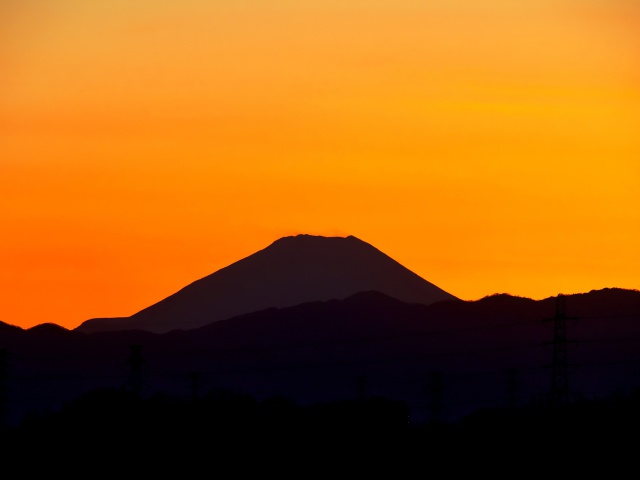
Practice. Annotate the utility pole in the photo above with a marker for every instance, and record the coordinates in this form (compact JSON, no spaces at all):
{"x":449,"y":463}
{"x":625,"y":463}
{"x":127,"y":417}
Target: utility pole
{"x":436,"y":387}
{"x":195,"y":385}
{"x":3,"y":387}
{"x":135,"y":362}
{"x":361,"y":383}
{"x":512,"y":387}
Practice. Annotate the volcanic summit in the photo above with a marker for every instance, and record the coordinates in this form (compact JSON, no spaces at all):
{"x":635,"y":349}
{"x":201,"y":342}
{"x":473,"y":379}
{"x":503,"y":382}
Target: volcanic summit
{"x":290,"y":271}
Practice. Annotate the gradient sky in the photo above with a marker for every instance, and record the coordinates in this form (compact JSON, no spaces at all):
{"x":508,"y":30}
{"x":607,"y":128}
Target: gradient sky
{"x":491,"y":146}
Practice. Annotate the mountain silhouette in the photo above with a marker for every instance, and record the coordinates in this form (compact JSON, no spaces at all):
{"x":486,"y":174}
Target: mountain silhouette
{"x":291,"y":271}
{"x":368,"y":344}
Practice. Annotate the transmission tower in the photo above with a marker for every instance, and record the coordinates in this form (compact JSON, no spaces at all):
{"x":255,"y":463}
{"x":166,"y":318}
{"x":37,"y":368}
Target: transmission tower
{"x":559,"y":375}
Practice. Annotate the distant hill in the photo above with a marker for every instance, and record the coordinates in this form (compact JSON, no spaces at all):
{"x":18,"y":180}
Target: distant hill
{"x":449,"y":358}
{"x":290,"y":271}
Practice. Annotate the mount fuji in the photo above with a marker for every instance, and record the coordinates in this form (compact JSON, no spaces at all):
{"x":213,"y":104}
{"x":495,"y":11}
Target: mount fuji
{"x":291,"y":271}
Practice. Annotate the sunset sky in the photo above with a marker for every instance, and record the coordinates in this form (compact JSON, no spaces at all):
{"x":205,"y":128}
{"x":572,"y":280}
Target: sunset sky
{"x":490,"y":146}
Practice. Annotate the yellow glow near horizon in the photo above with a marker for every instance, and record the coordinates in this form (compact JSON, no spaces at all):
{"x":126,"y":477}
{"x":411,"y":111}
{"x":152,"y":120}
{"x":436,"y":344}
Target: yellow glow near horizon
{"x":487,"y":146}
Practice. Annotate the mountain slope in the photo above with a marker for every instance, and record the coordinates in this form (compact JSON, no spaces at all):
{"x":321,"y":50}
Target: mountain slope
{"x":290,"y":271}
{"x":319,"y":351}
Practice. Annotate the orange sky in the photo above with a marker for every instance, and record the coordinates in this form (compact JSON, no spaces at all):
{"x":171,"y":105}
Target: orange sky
{"x":492,"y":146}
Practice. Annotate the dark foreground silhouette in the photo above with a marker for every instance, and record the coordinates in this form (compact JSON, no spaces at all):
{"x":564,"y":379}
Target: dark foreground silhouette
{"x":444,"y":360}
{"x":114,"y":430}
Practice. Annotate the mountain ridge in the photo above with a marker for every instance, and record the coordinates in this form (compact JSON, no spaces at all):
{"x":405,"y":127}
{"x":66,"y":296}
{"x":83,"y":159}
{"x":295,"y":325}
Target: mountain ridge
{"x":290,"y":271}
{"x":317,"y":350}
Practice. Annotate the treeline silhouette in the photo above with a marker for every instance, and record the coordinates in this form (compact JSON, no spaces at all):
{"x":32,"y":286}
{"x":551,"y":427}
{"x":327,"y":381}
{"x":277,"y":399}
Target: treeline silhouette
{"x":450,"y":379}
{"x":119,"y":427}
{"x":229,"y":414}
{"x":400,"y":382}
